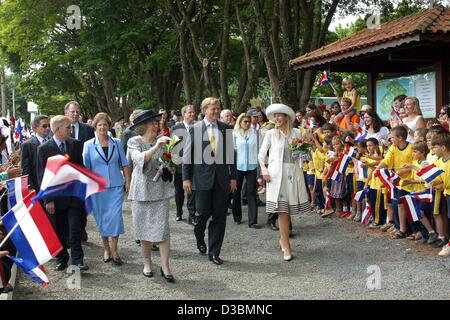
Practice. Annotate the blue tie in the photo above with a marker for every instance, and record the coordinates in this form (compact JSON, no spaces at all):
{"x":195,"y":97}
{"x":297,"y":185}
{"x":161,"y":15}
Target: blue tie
{"x":62,"y":146}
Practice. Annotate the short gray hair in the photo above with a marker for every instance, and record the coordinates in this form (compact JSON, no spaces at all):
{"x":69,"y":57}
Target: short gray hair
{"x":135,"y":114}
{"x":183,"y":110}
{"x":58,"y":121}
{"x":37,"y":120}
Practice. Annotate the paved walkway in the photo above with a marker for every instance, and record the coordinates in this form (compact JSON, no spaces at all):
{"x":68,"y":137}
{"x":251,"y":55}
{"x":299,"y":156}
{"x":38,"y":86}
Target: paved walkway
{"x":331,"y":261}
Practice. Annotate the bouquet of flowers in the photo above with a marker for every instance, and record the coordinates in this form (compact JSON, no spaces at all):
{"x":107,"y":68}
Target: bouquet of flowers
{"x":300,"y":149}
{"x":166,"y":161}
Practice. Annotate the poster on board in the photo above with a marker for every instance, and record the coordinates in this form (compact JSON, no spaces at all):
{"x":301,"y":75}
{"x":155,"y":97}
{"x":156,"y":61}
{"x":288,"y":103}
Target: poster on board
{"x":422,"y":86}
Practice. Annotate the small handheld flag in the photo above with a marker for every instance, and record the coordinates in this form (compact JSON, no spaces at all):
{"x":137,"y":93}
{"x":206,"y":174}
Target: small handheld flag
{"x":362,"y":134}
{"x":366,"y":214}
{"x":429,"y":173}
{"x":412,"y":209}
{"x":360,"y":195}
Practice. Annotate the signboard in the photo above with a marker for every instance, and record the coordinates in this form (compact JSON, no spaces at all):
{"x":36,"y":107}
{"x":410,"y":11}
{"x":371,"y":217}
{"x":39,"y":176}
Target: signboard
{"x":422,"y":86}
{"x":32,"y":107}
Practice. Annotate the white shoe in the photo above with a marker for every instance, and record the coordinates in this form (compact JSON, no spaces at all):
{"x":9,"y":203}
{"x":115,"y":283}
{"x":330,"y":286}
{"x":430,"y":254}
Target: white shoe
{"x":287,"y":258}
{"x":445,"y":252}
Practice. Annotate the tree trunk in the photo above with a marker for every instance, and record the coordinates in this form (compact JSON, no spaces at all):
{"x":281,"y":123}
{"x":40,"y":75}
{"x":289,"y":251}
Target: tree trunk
{"x":224,"y":55}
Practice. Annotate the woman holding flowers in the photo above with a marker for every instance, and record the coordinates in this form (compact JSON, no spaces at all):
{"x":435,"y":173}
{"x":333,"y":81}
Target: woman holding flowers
{"x":286,"y":190}
{"x":150,"y":198}
{"x":105,"y":155}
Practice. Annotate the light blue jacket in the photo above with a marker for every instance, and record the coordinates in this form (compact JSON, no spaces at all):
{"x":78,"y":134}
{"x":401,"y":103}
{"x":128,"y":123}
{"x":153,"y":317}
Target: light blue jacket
{"x":108,"y":167}
{"x":246,"y":150}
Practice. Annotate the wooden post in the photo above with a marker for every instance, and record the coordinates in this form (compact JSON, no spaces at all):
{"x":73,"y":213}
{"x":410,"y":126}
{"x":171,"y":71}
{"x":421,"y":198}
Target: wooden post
{"x":371,"y":89}
{"x":442,"y":84}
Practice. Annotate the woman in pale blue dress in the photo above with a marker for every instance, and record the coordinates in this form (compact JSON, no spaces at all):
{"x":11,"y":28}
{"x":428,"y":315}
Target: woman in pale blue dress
{"x":105,"y":155}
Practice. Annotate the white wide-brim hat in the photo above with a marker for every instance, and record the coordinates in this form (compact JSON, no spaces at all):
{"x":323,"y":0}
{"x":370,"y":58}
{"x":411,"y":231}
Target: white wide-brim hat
{"x":280,"y":108}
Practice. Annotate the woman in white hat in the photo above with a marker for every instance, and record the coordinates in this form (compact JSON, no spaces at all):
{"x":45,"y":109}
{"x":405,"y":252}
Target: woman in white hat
{"x":286,"y":190}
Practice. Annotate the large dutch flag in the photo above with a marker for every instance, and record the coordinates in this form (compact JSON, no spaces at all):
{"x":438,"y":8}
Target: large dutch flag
{"x":33,"y":235}
{"x":17,"y":189}
{"x":429,"y":173}
{"x":64,"y":178}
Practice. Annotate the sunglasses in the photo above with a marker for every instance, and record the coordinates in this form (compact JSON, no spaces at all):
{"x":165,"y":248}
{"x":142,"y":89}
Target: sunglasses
{"x":45,"y":126}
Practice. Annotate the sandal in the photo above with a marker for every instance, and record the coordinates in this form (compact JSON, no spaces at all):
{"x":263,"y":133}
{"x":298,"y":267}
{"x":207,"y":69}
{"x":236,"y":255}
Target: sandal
{"x":399,"y":235}
{"x":411,"y":236}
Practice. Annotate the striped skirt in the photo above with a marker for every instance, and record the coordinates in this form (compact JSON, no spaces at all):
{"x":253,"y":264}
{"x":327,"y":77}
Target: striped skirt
{"x":293,"y":195}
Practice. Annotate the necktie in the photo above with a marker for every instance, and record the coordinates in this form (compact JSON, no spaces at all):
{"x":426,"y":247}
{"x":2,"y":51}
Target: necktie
{"x":62,"y":146}
{"x":212,"y":139}
{"x":72,"y":134}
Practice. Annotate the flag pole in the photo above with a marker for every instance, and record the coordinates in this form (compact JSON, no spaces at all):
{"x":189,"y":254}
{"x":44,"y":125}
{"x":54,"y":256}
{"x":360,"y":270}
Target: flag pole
{"x":15,"y":227}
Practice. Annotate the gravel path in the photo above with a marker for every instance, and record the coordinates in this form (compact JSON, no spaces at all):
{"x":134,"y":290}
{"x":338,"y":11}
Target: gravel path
{"x":331,"y":261}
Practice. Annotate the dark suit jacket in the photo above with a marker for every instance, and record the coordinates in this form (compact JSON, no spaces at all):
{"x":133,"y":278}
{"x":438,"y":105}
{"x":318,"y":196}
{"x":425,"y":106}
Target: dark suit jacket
{"x":49,"y":149}
{"x":127,"y":135}
{"x":28,"y":159}
{"x":200,"y":170}
{"x":85,"y":133}
{"x":180,"y":131}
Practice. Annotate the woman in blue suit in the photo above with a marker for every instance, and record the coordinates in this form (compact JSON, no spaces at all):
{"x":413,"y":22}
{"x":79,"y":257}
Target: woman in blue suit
{"x":105,"y":155}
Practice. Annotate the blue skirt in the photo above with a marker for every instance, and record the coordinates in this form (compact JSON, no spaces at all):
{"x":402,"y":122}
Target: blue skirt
{"x":107,"y":211}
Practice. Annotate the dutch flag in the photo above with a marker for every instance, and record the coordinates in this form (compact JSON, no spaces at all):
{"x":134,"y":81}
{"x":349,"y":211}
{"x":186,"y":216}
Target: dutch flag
{"x":362,"y":134}
{"x":426,"y":196}
{"x":64,"y":178}
{"x":360,"y":195}
{"x":33,"y":235}
{"x":17,"y":189}
{"x":388,"y":179}
{"x":411,"y":206}
{"x":323,"y":79}
{"x":366,"y":214}
{"x":361,"y":172}
{"x":429,"y":173}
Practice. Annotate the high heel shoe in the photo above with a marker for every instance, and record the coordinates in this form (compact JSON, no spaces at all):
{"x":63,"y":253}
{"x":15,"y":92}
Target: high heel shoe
{"x":288,"y":258}
{"x":167,"y":277}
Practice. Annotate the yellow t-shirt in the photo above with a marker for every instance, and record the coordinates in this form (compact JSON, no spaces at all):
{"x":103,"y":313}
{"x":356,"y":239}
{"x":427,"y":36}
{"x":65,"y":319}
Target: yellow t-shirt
{"x":310,"y":167}
{"x":350,"y":95}
{"x":431,"y":157}
{"x":319,"y":162}
{"x":445,"y":177}
{"x":397,"y":159}
{"x":419,"y":187}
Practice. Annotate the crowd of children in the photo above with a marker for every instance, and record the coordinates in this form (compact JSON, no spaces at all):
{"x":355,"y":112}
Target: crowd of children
{"x":398,"y":156}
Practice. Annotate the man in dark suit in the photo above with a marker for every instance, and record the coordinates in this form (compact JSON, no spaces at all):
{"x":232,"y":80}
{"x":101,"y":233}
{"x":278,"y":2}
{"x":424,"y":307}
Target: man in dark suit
{"x":64,"y":211}
{"x":209,"y":169}
{"x":182,"y":131}
{"x":28,"y":152}
{"x":81,"y":132}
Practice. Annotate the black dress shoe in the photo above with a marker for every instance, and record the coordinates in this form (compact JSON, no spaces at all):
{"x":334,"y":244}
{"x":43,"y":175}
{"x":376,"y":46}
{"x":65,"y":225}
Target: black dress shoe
{"x":238,"y":222}
{"x":254,"y":226}
{"x":273,"y":226}
{"x":167,"y":277}
{"x":178,"y":218}
{"x":216,"y":260}
{"x":84,"y":236}
{"x":61,"y":266}
{"x":201,"y":246}
{"x":117,"y":261}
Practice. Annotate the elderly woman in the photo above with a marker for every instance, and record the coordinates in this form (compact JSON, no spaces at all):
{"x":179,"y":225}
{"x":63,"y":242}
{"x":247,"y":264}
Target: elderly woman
{"x":286,"y":189}
{"x":105,"y":155}
{"x":150,"y":199}
{"x":245,"y":143}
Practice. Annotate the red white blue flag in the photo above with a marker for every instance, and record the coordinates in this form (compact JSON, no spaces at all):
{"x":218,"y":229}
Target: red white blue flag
{"x":362,"y":134}
{"x":366,"y":214}
{"x":412,"y":208}
{"x":32,"y":234}
{"x":17,"y":189}
{"x":64,"y":178}
{"x":388,"y":179}
{"x":360,"y":195}
{"x":429,"y":173}
{"x":361,"y":172}
{"x":324,"y":80}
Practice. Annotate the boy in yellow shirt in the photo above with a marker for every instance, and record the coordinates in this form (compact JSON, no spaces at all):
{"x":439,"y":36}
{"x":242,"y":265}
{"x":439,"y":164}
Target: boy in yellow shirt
{"x":398,"y":156}
{"x":441,"y":148}
{"x":318,"y":158}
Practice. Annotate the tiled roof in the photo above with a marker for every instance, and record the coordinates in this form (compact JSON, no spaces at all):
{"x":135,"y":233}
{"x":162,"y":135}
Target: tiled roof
{"x":429,"y":21}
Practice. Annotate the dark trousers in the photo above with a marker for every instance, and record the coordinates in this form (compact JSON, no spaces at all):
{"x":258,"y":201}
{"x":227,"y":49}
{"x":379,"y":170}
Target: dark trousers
{"x":318,"y":194}
{"x":376,"y":201}
{"x":211,"y":204}
{"x":68,"y":228}
{"x":179,"y":197}
{"x":250,"y":178}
